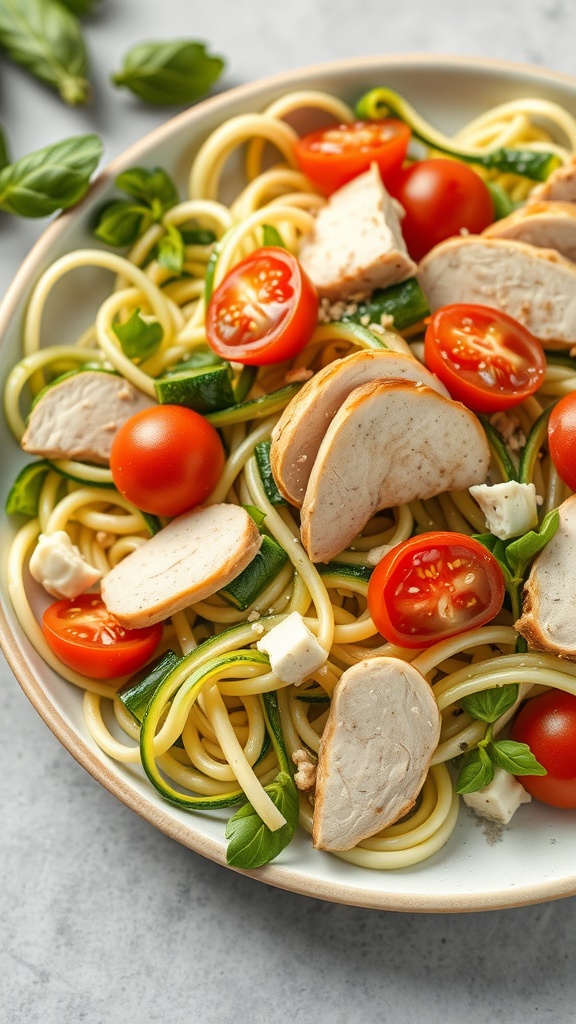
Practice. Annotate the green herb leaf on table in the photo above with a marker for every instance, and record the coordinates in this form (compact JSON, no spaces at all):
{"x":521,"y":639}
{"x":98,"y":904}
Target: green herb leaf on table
{"x":138,"y":337}
{"x":171,"y":73}
{"x":4,"y":157}
{"x":50,"y":179}
{"x":516,"y":758}
{"x":80,"y":7}
{"x":45,"y":37}
{"x":476,"y":772}
{"x":489,"y":705}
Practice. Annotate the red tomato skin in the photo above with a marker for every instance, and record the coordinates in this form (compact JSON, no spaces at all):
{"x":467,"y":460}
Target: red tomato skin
{"x":441,"y":198}
{"x":484,"y":384}
{"x":334,"y":155}
{"x":74,"y":630}
{"x":292,"y":320}
{"x":390,"y":591}
{"x":562,"y":439}
{"x":166,"y":459}
{"x":547,"y":723}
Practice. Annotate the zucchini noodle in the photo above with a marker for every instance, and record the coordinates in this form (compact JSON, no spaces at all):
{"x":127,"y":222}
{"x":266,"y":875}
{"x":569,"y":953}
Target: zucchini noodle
{"x":203,"y":741}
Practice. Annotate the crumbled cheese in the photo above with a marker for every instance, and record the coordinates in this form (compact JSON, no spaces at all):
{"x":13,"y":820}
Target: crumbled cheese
{"x":60,"y":568}
{"x":499,"y":799}
{"x":510,"y":508}
{"x":305,"y":777}
{"x":293,"y":649}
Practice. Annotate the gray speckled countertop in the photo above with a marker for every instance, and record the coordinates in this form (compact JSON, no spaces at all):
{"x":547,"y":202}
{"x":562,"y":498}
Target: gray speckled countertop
{"x":103,"y":918}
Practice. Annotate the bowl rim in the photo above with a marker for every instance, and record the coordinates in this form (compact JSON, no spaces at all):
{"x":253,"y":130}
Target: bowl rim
{"x":277,"y":875}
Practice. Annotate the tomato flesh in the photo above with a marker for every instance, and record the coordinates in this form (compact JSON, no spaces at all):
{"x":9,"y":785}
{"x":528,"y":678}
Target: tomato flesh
{"x":334,"y":155}
{"x":432,"y":587}
{"x":441,"y":198}
{"x":562,"y":439}
{"x":485,"y":358}
{"x":547,"y":723}
{"x":88,"y":639}
{"x":264,"y":311}
{"x":166,"y":459}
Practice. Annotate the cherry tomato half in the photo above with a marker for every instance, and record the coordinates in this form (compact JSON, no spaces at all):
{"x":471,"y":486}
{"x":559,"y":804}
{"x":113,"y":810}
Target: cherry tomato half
{"x":485,"y":358}
{"x":166,"y":459}
{"x":562,"y":439}
{"x":441,"y":198}
{"x":547,"y":723}
{"x":87,"y":638}
{"x":264,"y":311}
{"x":334,"y":155}
{"x":432,"y":587}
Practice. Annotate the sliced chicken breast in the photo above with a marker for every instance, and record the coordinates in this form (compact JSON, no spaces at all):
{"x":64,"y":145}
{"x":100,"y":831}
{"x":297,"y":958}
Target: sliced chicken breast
{"x":376,"y":748}
{"x":298,"y":434}
{"x":390,"y":442}
{"x":356,"y":244}
{"x":548,"y":621}
{"x":560,"y":186}
{"x":535,"y":286}
{"x":546,"y":225}
{"x":79,"y":416}
{"x":194,"y":556}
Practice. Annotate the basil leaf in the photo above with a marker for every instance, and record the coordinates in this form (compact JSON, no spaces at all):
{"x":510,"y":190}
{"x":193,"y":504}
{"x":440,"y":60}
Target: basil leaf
{"x":516,"y":758}
{"x":477,"y":772}
{"x":80,"y":7}
{"x":198,"y":236}
{"x":148,"y":185}
{"x":44,"y":37}
{"x":171,"y":250}
{"x":271,"y":236}
{"x":521,"y":553}
{"x":252,"y":843}
{"x":488,"y":705}
{"x":121,"y":222}
{"x":50,"y":179}
{"x":175,"y":72}
{"x":498,"y":548}
{"x":4,"y":157}
{"x":138,"y":338}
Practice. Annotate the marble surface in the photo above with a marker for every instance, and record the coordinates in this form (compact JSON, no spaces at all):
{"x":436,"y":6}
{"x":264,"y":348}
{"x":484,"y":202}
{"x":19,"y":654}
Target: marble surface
{"x":104,"y":919}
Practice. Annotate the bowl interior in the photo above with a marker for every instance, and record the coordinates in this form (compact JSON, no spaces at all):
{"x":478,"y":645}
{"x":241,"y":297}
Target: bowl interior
{"x":480,"y":867}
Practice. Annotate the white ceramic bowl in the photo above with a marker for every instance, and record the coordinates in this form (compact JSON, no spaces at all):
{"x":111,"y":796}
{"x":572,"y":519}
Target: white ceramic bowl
{"x":533,"y":859}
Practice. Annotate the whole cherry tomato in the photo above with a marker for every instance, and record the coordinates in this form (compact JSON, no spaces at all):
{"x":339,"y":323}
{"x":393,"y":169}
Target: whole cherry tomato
{"x":562,"y":438}
{"x":547,"y":723}
{"x":166,"y":459}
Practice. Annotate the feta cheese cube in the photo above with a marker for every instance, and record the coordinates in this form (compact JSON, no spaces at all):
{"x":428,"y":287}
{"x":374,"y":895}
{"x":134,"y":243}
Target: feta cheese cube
{"x":510,"y":508}
{"x":60,"y":568}
{"x":293,"y":649}
{"x":499,"y":799}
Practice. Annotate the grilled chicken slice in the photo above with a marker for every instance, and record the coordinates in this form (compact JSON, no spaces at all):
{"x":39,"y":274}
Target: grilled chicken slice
{"x":548,"y":620}
{"x":546,"y":225}
{"x":356,"y":244}
{"x":376,"y":748}
{"x":560,"y":186}
{"x":298,"y":434}
{"x":79,"y":416}
{"x":194,"y":556}
{"x":535,"y":286}
{"x":391,"y":441}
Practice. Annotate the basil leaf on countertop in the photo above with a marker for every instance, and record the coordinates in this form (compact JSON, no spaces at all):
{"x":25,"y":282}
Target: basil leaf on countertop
{"x":176,"y":72}
{"x":50,"y":179}
{"x":45,"y":37}
{"x":4,"y":156}
{"x":139,"y":338}
{"x":80,"y":7}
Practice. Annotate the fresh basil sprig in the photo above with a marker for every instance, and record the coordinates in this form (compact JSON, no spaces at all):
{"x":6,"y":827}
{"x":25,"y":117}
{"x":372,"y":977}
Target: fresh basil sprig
{"x":50,"y":179}
{"x":172,"y":73}
{"x":477,"y":768}
{"x":138,"y":337}
{"x":516,"y":556}
{"x":152,"y":192}
{"x":171,"y":250}
{"x":252,"y":843}
{"x":45,"y":37}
